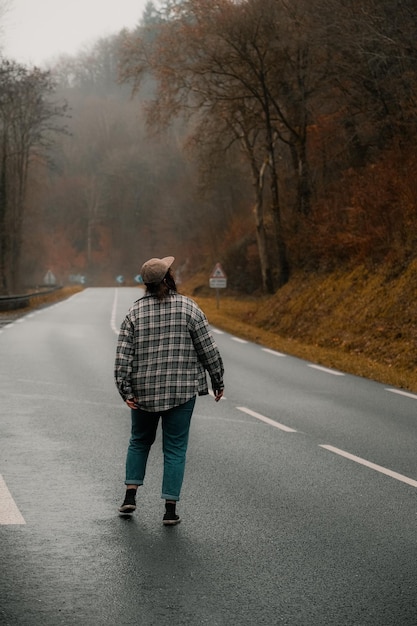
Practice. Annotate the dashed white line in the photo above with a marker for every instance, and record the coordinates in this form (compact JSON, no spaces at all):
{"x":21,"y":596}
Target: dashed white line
{"x":267,"y":420}
{"x":217,"y":331}
{"x":274,"y":352}
{"x":325,"y":369}
{"x":239,"y":340}
{"x":402,"y":393}
{"x":9,"y":513}
{"x":377,"y":468}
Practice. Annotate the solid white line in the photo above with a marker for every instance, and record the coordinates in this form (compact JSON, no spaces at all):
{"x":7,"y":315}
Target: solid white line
{"x":267,"y":420}
{"x":9,"y":513}
{"x":113,"y":314}
{"x":402,"y":393}
{"x":274,"y":352}
{"x":239,"y":340}
{"x":378,"y":468}
{"x":325,"y":369}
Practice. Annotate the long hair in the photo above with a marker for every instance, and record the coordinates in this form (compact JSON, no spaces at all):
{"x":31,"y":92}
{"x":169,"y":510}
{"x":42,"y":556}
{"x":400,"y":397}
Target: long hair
{"x":163,"y":289}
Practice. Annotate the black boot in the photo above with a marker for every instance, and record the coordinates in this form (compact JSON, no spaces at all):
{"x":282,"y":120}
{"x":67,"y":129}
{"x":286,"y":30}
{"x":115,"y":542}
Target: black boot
{"x":129,"y":503}
{"x":170,"y":517}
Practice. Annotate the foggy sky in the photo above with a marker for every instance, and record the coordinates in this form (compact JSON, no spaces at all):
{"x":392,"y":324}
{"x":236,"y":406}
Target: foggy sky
{"x":35,"y":31}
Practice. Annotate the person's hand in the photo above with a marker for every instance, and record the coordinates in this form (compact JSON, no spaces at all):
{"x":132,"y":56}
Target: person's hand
{"x":132,"y":403}
{"x":218,"y":394}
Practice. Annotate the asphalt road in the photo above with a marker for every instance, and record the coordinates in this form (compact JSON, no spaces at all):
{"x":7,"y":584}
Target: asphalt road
{"x":299,"y":503}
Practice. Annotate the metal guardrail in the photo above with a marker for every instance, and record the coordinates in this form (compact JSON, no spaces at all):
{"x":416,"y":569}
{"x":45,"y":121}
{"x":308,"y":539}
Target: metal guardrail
{"x":11,"y":303}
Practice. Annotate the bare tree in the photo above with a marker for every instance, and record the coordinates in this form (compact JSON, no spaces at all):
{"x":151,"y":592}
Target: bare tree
{"x":198,"y":73}
{"x":27,"y":120}
{"x":257,"y":65}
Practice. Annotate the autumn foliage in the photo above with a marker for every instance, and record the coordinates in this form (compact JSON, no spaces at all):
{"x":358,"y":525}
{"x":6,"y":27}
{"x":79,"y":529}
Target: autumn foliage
{"x":272,"y":136}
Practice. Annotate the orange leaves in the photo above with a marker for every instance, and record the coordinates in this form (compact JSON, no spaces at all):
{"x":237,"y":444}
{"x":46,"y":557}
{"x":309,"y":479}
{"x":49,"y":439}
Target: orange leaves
{"x":367,"y":216}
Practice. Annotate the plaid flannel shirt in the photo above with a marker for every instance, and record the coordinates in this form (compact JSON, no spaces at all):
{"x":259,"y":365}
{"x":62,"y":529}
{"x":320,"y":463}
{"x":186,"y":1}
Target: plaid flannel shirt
{"x":163,"y":352}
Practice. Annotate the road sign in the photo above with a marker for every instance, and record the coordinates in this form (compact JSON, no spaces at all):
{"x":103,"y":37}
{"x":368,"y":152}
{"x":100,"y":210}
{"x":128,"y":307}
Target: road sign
{"x":139,"y":279}
{"x":218,"y":272}
{"x":49,"y":279}
{"x":78,"y":278}
{"x":120,"y":279}
{"x":218,"y":283}
{"x":218,"y":280}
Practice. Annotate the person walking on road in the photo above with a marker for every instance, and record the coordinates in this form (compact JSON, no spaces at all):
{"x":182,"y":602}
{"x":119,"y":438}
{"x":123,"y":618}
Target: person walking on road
{"x":164,"y":350}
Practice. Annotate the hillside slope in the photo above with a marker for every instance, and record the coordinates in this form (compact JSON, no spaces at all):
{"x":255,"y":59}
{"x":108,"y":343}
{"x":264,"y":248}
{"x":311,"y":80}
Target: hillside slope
{"x":359,"y":321}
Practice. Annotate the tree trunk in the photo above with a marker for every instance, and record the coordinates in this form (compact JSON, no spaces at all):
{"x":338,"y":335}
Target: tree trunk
{"x":4,"y":287}
{"x":262,"y":241}
{"x":258,"y":174}
{"x":283,"y":265}
{"x":271,"y":137}
{"x":303,"y":179}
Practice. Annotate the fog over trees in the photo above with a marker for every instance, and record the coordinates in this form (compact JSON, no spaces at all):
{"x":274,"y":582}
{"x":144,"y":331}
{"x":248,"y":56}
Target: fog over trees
{"x":272,"y":136}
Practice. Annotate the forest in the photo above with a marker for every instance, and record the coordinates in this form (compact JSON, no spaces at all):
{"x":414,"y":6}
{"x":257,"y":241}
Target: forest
{"x":271,"y":136}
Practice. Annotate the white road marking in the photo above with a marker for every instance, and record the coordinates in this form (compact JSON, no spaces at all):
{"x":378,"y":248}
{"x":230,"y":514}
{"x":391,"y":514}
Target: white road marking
{"x":402,"y":393}
{"x":325,"y":369}
{"x":267,"y":420}
{"x":9,"y":513}
{"x":274,"y":352}
{"x":239,"y":340}
{"x":377,"y":468}
{"x":217,"y":331}
{"x":113,"y":313}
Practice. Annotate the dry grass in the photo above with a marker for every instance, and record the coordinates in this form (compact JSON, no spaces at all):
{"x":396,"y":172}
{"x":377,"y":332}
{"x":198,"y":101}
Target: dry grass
{"x":55,"y":296}
{"x":40,"y":301}
{"x":359,"y":322}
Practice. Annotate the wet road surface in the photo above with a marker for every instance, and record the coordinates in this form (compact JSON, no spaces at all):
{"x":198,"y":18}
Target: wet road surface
{"x":276,"y":529}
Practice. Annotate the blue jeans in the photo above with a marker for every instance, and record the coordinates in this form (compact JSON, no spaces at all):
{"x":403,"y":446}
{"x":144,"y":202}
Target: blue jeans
{"x":175,"y":430}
